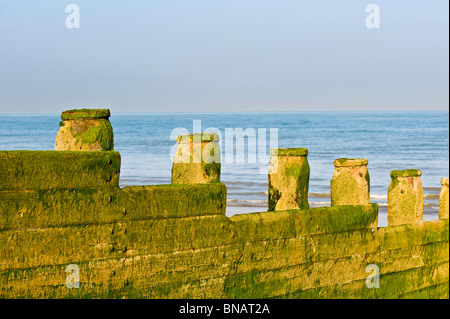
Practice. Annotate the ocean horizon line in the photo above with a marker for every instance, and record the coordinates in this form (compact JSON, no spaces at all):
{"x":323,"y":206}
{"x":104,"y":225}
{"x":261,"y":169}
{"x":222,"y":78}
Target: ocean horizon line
{"x":244,"y":112}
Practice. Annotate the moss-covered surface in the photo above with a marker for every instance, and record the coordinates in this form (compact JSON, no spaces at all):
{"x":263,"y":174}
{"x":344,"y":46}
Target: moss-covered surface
{"x":413,"y":260}
{"x":197,"y":162}
{"x":395,"y":286}
{"x":71,"y":244}
{"x":52,"y":208}
{"x":77,"y":114}
{"x":288,"y":183}
{"x":213,"y":170}
{"x":103,"y":133}
{"x":405,"y":200}
{"x":271,"y":284}
{"x":320,"y":220}
{"x":38,"y":170}
{"x":174,"y":241}
{"x":198,"y":137}
{"x":444,"y":199}
{"x":406,"y":173}
{"x":349,"y":162}
{"x":350,"y":185}
{"x":289,"y":152}
{"x":85,"y":135}
{"x":175,"y":201}
{"x":274,"y":196}
{"x":334,"y":279}
{"x":195,"y":173}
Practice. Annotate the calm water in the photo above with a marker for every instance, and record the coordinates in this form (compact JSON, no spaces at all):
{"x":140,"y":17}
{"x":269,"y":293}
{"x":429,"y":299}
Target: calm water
{"x":388,"y":140}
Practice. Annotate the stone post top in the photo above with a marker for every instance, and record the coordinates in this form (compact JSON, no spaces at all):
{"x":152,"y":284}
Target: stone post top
{"x":85,"y":114}
{"x":406,"y":173}
{"x":197,"y":137}
{"x":289,"y":151}
{"x":343,"y":162}
{"x":444,"y":181}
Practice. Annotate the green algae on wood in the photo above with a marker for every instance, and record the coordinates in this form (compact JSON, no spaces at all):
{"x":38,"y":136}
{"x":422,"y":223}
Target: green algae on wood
{"x":85,"y":114}
{"x":198,"y":137}
{"x":324,"y":279}
{"x":444,"y":199}
{"x":197,"y":159}
{"x":134,"y":237}
{"x":288,"y":179}
{"x":406,"y":173}
{"x":405,"y":197}
{"x":42,"y":208}
{"x":255,"y":255}
{"x":85,"y":130}
{"x":289,"y":151}
{"x":37,"y":170}
{"x":350,"y":162}
{"x":350,"y":184}
{"x":102,"y":134}
{"x":298,"y":222}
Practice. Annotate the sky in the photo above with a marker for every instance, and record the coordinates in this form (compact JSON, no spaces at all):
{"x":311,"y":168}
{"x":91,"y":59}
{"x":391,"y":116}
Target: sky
{"x":224,"y":56}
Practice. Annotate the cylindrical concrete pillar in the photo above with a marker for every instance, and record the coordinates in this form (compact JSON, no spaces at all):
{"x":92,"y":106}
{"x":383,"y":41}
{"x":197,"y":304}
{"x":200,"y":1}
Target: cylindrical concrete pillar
{"x":405,"y":197}
{"x":85,"y":130}
{"x":197,"y":159}
{"x":350,"y":184}
{"x":443,"y":199}
{"x":288,"y":179}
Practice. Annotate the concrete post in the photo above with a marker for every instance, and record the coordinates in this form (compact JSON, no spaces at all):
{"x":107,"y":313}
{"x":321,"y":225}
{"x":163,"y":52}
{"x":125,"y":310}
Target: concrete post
{"x":350,"y":184}
{"x":85,"y":130}
{"x":197,"y":159}
{"x":405,"y":197}
{"x":288,"y":179}
{"x":443,"y":199}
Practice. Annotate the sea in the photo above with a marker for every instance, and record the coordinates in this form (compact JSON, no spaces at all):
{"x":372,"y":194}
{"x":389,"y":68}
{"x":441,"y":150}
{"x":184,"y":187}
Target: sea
{"x":146,"y":141}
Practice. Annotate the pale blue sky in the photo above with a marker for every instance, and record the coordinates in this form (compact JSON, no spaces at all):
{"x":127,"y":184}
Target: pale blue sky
{"x":223,"y":55}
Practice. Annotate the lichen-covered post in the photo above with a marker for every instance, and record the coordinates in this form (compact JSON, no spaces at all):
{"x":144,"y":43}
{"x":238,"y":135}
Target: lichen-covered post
{"x":405,"y":197}
{"x":350,"y":184}
{"x":288,"y":179}
{"x":85,"y":130}
{"x":197,"y":159}
{"x":443,"y":199}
